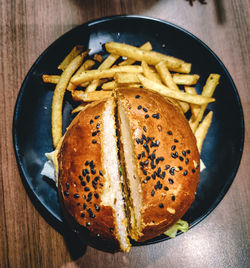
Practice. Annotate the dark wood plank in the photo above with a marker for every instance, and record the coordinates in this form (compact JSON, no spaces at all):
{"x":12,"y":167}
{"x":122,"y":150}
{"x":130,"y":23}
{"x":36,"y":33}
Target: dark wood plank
{"x":27,"y":240}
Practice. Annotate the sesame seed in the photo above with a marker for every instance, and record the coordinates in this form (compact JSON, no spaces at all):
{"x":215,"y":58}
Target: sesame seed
{"x":171,"y":171}
{"x":163,"y":174}
{"x":97,"y":207}
{"x":181,"y":158}
{"x":137,"y":140}
{"x":67,"y":185}
{"x":193,"y":170}
{"x":173,"y":147}
{"x":96,"y":117}
{"x":175,"y":140}
{"x":170,"y":181}
{"x":91,"y":121}
{"x":170,"y":133}
{"x":145,"y":129}
{"x":76,"y":196}
{"x":180,"y":168}
{"x":84,"y":206}
{"x":166,"y":188}
{"x":93,"y":171}
{"x":87,"y":163}
{"x":139,"y":107}
{"x":145,"y":109}
{"x":86,"y":189}
{"x":96,"y":195}
{"x":157,"y":143}
{"x":94,"y":141}
{"x":137,"y":96}
{"x":100,"y":172}
{"x":144,"y":172}
{"x":88,"y":178}
{"x":142,"y":154}
{"x":173,"y":197}
{"x":174,"y":155}
{"x":153,"y":192}
{"x":139,"y":156}
{"x":95,"y":133}
{"x":144,"y":181}
{"x":94,"y":184}
{"x":187,"y":160}
{"x":97,"y":125}
{"x":82,"y":215}
{"x":148,"y":178}
{"x":188,"y":151}
{"x":89,"y":198}
{"x":184,"y":153}
{"x":91,"y":214}
{"x":146,"y":162}
{"x":96,"y":178}
{"x":111,"y":230}
{"x":83,"y":183}
{"x":153,"y":175}
{"x":66,"y":193}
{"x":141,"y":164}
{"x":167,"y":167}
{"x":161,"y":205}
{"x":153,"y":166}
{"x":157,"y":116}
{"x":144,"y":137}
{"x":146,"y":116}
{"x":156,"y":186}
{"x":185,"y":173}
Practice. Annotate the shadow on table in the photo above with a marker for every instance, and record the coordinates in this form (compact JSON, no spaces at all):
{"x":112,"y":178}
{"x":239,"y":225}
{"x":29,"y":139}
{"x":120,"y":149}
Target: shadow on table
{"x":220,"y":11}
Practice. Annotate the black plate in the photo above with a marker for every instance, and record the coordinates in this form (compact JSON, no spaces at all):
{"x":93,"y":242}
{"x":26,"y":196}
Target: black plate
{"x":223,"y":146}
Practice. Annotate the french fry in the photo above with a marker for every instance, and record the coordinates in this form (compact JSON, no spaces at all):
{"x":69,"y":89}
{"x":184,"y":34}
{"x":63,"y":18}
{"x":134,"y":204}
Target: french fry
{"x":57,"y":102}
{"x":98,"y":57}
{"x":77,"y":50}
{"x":208,"y":91}
{"x":148,"y":73}
{"x":178,"y":95}
{"x":79,"y":95}
{"x":202,"y":130}
{"x":151,"y":57}
{"x":126,"y":78}
{"x":97,"y":74}
{"x":186,"y":79}
{"x":79,"y":108}
{"x":147,"y":46}
{"x":194,"y":107}
{"x":167,"y":79}
{"x":53,"y":79}
{"x":109,"y":85}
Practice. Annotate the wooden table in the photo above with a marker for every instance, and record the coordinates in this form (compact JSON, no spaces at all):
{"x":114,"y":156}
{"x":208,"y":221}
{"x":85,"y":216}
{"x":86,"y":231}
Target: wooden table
{"x":26,"y":238}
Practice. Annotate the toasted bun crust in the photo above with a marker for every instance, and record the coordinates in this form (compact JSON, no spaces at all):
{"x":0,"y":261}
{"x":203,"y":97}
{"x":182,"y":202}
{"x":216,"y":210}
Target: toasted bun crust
{"x":81,"y":178}
{"x":166,"y":156}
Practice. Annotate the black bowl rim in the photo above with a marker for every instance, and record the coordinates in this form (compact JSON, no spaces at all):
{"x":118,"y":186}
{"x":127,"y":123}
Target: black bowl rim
{"x":45,"y":208}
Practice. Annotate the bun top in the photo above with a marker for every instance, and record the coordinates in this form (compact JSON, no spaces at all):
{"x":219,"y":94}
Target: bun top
{"x":166,"y":156}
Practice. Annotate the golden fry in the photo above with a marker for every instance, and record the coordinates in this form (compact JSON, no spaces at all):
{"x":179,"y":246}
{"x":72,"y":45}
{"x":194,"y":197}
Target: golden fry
{"x":151,"y":57}
{"x":147,"y":46}
{"x":77,"y":50}
{"x":79,"y":95}
{"x":57,"y":102}
{"x":202,"y":130}
{"x":97,"y":74}
{"x":186,"y":79}
{"x":179,"y":95}
{"x":167,"y":79}
{"x":126,"y":78}
{"x":208,"y":91}
{"x":98,"y":57}
{"x":148,"y":73}
{"x":79,"y":108}
{"x":53,"y":79}
{"x":109,"y":85}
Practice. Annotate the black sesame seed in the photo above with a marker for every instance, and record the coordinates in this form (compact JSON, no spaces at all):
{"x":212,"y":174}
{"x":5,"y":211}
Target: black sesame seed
{"x":67,"y":185}
{"x":157,"y":116}
{"x":76,"y":196}
{"x":187,"y":160}
{"x":97,"y":208}
{"x":66,"y":193}
{"x":157,"y":143}
{"x":166,"y":188}
{"x":181,"y":158}
{"x":171,"y":171}
{"x":167,"y":167}
{"x":180,"y":168}
{"x":93,"y":171}
{"x":148,"y":139}
{"x":87,"y":163}
{"x":184,"y":153}
{"x":91,"y":121}
{"x":84,"y":206}
{"x":170,"y":133}
{"x":161,"y":158}
{"x":158,"y":170}
{"x":153,"y":192}
{"x":197,"y":166}
{"x":157,"y":160}
{"x":144,"y":181}
{"x":161,"y":205}
{"x":152,"y":144}
{"x":146,"y":162}
{"x":88,"y":178}
{"x":142,"y":164}
{"x":96,"y":178}
{"x":174,"y":155}
{"x":83,"y":183}
{"x":139,"y":107}
{"x":96,"y":195}
{"x":86,"y":189}
{"x":188,"y":151}
{"x":94,"y":141}
{"x":97,"y":125}
{"x":153,"y":175}
{"x":145,"y":129}
{"x":185,"y":173}
{"x":84,"y":172}
{"x":139,"y":156}
{"x":137,"y":96}
{"x":143,"y":137}
{"x":94,"y":184}
{"x":96,"y":117}
{"x":141,"y":141}
{"x":173,"y":197}
{"x":193,"y":170}
{"x":173,"y":147}
{"x":153,"y":166}
{"x":170,"y":181}
{"x":91,"y":214}
{"x":142,"y":154}
{"x":145,"y":109}
{"x":95,"y":133}
{"x":100,"y":172}
{"x":175,"y":140}
{"x":163,"y":174}
{"x":156,"y":186}
{"x":111,"y":230}
{"x":82,"y":215}
{"x":91,"y":163}
{"x":146,"y":116}
{"x":89,"y":197}
{"x":144,"y":172}
{"x":148,"y":178}
{"x":137,"y":140}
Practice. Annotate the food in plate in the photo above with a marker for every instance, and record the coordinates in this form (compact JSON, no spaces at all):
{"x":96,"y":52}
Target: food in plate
{"x":128,"y":165}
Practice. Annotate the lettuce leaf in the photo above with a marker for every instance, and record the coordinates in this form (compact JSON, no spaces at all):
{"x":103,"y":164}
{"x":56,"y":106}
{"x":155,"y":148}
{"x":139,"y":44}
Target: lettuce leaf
{"x":180,"y":225}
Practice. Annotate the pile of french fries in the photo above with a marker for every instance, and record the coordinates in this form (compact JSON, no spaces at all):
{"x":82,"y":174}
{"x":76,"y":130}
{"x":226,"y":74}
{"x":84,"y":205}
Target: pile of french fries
{"x":136,"y":67}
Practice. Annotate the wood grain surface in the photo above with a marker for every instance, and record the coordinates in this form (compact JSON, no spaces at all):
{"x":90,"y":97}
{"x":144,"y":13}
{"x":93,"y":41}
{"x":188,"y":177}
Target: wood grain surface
{"x":26,"y":238}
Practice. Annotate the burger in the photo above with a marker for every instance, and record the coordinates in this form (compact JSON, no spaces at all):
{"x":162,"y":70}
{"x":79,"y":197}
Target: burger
{"x":127,"y":168}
